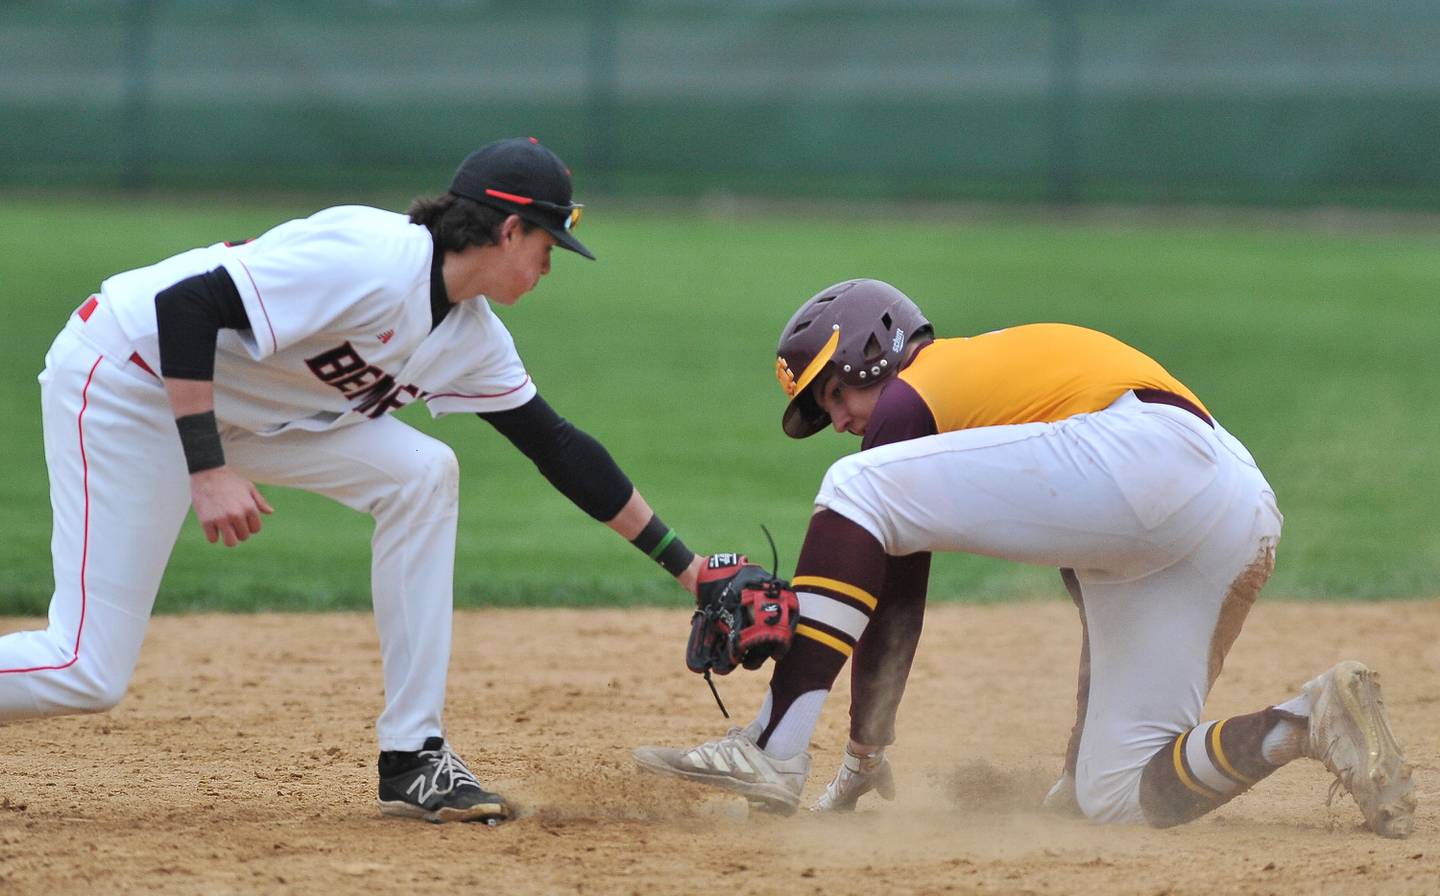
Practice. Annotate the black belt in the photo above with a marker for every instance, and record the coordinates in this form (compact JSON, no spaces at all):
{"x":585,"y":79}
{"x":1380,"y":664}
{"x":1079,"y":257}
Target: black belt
{"x":1160,"y":396}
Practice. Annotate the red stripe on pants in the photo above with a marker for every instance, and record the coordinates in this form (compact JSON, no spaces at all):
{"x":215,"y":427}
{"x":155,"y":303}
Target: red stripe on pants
{"x":85,"y":536}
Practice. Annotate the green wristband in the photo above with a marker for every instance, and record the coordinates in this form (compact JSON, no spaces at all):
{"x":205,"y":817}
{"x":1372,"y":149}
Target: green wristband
{"x":664,"y":543}
{"x":660,"y":543}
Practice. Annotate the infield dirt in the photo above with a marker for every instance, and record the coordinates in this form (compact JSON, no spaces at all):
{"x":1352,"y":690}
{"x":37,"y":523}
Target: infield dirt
{"x":242,"y":761}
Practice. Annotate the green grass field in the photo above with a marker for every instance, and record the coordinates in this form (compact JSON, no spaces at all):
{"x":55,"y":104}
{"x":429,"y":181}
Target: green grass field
{"x":1317,"y":349}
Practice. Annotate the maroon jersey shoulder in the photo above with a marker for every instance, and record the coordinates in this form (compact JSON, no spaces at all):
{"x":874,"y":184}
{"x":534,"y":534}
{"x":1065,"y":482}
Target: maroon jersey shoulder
{"x":900,"y":414}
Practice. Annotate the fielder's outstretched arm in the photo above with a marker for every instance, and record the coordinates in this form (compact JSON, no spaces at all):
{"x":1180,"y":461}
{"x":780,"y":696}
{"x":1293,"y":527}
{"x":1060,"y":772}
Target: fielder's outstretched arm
{"x":582,"y":470}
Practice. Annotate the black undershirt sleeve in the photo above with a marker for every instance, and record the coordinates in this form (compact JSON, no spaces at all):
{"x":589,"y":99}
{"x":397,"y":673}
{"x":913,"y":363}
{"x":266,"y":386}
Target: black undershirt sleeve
{"x":189,"y":315}
{"x":572,"y":460}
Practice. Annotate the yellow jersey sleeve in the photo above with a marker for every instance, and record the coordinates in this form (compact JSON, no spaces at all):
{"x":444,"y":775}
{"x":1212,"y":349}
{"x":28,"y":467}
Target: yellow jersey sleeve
{"x":1036,"y":373}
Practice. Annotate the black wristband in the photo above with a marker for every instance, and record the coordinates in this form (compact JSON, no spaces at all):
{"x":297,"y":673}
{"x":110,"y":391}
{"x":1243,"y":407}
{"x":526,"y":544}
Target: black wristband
{"x":660,"y":543}
{"x":200,"y":440}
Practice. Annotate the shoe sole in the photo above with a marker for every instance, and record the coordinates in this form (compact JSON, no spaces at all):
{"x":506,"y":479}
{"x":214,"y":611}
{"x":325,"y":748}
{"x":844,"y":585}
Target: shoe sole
{"x":489,"y":813}
{"x":1390,"y":811}
{"x":765,"y":797}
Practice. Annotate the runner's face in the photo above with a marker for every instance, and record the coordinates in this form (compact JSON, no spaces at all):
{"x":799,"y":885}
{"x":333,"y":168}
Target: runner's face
{"x":849,"y":407}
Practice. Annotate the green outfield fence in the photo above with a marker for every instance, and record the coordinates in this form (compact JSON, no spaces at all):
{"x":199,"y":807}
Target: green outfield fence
{"x":1288,"y":102}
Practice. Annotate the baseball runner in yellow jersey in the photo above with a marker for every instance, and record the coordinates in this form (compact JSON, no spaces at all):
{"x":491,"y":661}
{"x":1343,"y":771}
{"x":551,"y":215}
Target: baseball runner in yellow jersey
{"x":1048,"y":444}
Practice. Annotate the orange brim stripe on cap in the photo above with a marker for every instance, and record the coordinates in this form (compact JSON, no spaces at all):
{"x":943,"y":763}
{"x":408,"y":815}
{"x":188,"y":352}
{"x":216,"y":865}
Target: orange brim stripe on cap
{"x":839,"y":587}
{"x":510,"y":197}
{"x":828,"y":640}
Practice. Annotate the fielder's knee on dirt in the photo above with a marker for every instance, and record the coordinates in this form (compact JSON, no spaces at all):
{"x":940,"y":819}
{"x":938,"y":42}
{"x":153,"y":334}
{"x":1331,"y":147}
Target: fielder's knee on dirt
{"x":76,"y":690}
{"x":51,"y":672}
{"x":98,"y":696}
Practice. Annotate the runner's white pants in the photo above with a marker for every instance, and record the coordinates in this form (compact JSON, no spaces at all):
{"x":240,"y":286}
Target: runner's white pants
{"x":1158,"y":514}
{"x":119,"y":493}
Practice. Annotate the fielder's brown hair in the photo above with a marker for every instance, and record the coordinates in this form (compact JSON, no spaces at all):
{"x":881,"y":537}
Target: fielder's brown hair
{"x":457,"y":222}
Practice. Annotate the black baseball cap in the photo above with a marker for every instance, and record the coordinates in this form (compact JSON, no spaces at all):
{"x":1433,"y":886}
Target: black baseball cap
{"x":521,"y":176}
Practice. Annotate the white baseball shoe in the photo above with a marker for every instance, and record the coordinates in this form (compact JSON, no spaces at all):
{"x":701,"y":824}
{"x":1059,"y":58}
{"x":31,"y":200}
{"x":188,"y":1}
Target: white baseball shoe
{"x":857,"y":776}
{"x":736,"y":764}
{"x":1351,"y":735}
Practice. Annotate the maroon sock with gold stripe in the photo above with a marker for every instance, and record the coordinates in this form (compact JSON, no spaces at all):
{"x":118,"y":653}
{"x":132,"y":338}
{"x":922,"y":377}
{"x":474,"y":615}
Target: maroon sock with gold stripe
{"x":840,"y":571}
{"x":1206,"y":767}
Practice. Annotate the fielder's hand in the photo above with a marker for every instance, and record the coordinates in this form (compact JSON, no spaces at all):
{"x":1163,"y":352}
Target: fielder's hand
{"x":745,"y":616}
{"x":228,"y":506}
{"x":690,"y":578}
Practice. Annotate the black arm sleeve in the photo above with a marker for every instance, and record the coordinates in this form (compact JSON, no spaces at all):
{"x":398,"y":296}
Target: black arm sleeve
{"x":575,"y":463}
{"x":189,"y":314}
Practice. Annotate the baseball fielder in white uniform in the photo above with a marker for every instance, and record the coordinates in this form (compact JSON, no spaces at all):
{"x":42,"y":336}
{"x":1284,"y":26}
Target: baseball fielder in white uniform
{"x":278,"y":361}
{"x":1050,"y":444}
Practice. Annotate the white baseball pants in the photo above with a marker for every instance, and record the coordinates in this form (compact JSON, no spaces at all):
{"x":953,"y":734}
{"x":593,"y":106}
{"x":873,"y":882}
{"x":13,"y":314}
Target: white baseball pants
{"x":119,"y":493}
{"x":1158,"y":513}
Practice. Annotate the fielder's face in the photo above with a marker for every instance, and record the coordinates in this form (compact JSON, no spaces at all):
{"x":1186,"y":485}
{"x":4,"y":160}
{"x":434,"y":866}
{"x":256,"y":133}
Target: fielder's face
{"x":849,"y":407}
{"x":523,"y":259}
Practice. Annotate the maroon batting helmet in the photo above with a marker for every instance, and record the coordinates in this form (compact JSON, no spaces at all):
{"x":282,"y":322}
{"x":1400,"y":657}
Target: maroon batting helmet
{"x":859,"y":328}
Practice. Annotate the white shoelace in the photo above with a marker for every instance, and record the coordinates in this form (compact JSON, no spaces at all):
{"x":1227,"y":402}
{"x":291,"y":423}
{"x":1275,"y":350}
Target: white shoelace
{"x":837,"y":787}
{"x":455,"y":770}
{"x":852,"y":782}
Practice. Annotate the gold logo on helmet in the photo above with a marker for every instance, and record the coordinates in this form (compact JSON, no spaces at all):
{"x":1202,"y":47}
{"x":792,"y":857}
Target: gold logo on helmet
{"x":792,"y":384}
{"x":786,"y":378}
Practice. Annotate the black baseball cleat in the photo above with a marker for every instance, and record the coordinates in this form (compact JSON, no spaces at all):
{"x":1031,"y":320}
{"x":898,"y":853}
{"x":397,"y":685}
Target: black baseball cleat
{"x":434,"y":784}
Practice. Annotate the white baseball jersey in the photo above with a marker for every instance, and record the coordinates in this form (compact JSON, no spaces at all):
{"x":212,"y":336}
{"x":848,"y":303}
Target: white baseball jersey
{"x":340,"y":307}
{"x":340,"y":316}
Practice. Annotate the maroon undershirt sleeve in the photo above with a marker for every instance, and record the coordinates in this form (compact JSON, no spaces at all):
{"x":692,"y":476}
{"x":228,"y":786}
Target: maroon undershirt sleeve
{"x":900,"y":414}
{"x":884,"y":653}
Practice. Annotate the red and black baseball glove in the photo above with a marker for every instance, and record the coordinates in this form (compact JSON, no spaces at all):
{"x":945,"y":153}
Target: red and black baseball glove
{"x":745,"y":615}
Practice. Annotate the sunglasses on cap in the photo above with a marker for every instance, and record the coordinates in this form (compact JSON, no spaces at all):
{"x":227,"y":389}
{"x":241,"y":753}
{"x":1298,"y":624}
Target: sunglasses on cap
{"x":572,"y":212}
